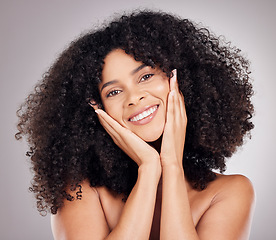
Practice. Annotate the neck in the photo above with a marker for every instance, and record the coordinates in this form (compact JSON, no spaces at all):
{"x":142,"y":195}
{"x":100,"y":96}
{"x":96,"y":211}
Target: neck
{"x":156,"y":144}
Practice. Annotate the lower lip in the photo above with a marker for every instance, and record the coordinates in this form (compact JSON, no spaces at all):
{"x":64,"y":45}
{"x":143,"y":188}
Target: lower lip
{"x":146,"y":119}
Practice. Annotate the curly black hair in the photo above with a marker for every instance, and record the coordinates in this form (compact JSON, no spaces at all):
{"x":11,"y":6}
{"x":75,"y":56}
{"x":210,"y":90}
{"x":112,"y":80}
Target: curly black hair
{"x":67,"y":142}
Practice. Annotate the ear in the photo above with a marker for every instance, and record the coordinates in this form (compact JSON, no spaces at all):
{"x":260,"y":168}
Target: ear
{"x":94,"y":105}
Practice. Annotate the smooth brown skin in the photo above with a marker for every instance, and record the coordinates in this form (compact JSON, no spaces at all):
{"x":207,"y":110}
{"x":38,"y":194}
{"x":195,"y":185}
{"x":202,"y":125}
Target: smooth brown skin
{"x":162,"y":204}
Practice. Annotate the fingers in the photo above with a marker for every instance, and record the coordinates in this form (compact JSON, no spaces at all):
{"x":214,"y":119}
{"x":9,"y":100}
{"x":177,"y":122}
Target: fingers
{"x":130,"y":143}
{"x":175,"y":128}
{"x":109,"y":125}
{"x":112,"y":127}
{"x":104,"y":118}
{"x":120,"y":135}
{"x":101,"y":117}
{"x":173,"y":81}
{"x":178,"y":98}
{"x":170,"y":107}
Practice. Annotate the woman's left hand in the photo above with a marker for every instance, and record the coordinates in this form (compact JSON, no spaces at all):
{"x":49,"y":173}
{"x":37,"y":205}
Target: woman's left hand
{"x":175,"y":128}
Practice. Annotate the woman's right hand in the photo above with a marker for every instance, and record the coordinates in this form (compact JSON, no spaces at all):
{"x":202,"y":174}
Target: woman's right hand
{"x":136,"y":148}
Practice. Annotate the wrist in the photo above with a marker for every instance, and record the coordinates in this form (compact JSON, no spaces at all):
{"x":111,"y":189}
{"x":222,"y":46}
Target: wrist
{"x":173,"y":174}
{"x":171,"y":159}
{"x":171,"y":163}
{"x":152,"y":168}
{"x":174,"y":168}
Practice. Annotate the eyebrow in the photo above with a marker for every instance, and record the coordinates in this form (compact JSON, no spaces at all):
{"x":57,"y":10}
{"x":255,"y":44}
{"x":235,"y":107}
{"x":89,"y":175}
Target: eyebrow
{"x":108,"y":83}
{"x":138,"y":69}
{"x":115,"y":81}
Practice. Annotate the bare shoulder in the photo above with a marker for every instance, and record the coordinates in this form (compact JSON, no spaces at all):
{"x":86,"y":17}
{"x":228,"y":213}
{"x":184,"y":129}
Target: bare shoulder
{"x":83,"y":194}
{"x":81,"y":218}
{"x":231,"y":208}
{"x":234,"y":185}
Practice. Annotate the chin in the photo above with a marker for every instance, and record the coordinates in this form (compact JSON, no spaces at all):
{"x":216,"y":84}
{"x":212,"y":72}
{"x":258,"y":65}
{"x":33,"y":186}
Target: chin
{"x":151,"y":136}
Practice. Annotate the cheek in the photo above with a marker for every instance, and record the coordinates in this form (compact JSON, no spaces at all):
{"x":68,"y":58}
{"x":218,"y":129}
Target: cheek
{"x":114,"y":110}
{"x":162,"y":90}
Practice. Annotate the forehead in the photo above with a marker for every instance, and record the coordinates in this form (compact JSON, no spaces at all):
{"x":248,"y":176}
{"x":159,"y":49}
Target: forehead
{"x":118,"y":59}
{"x":118,"y":64}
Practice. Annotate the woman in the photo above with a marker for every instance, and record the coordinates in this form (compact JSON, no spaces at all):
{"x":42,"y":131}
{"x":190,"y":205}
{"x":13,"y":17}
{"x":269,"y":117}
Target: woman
{"x":121,"y":171}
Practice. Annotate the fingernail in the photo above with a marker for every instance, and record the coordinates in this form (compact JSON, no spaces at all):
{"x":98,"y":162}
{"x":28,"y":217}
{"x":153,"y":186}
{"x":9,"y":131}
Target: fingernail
{"x":97,"y":111}
{"x":174,"y":74}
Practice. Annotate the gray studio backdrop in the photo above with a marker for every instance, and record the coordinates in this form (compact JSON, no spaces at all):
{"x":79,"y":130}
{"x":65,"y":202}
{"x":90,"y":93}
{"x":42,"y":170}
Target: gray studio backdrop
{"x":34,"y":32}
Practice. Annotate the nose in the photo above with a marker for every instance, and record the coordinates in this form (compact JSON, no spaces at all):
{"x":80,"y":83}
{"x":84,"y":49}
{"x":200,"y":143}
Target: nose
{"x":134,"y":96}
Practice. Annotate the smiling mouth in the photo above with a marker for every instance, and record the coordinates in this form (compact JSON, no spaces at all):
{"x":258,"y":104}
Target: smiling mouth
{"x":144,"y":114}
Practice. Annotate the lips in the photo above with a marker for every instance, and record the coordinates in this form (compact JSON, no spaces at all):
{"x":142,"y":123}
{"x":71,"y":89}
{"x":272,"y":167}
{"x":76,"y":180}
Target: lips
{"x":144,"y":115}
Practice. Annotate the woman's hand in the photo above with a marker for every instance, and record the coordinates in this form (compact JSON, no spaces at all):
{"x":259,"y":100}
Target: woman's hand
{"x":176,"y":218}
{"x":175,"y":128}
{"x":136,"y":148}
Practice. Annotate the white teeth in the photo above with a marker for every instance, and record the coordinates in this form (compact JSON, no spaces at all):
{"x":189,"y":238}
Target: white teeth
{"x":143,"y":114}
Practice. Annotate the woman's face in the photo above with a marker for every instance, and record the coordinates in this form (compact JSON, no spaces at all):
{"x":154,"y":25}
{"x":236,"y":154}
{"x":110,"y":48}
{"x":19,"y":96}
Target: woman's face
{"x":135,"y":95}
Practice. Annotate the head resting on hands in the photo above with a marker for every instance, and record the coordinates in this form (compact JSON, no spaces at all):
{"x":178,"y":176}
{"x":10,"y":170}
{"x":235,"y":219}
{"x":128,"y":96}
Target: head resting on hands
{"x":67,"y":142}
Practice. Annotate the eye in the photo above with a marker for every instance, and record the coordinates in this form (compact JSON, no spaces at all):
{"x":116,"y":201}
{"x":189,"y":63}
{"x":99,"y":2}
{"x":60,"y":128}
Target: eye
{"x":113,"y":93}
{"x":146,"y":77}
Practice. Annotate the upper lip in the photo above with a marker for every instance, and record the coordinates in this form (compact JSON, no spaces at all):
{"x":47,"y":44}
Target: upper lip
{"x":141,"y":110}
